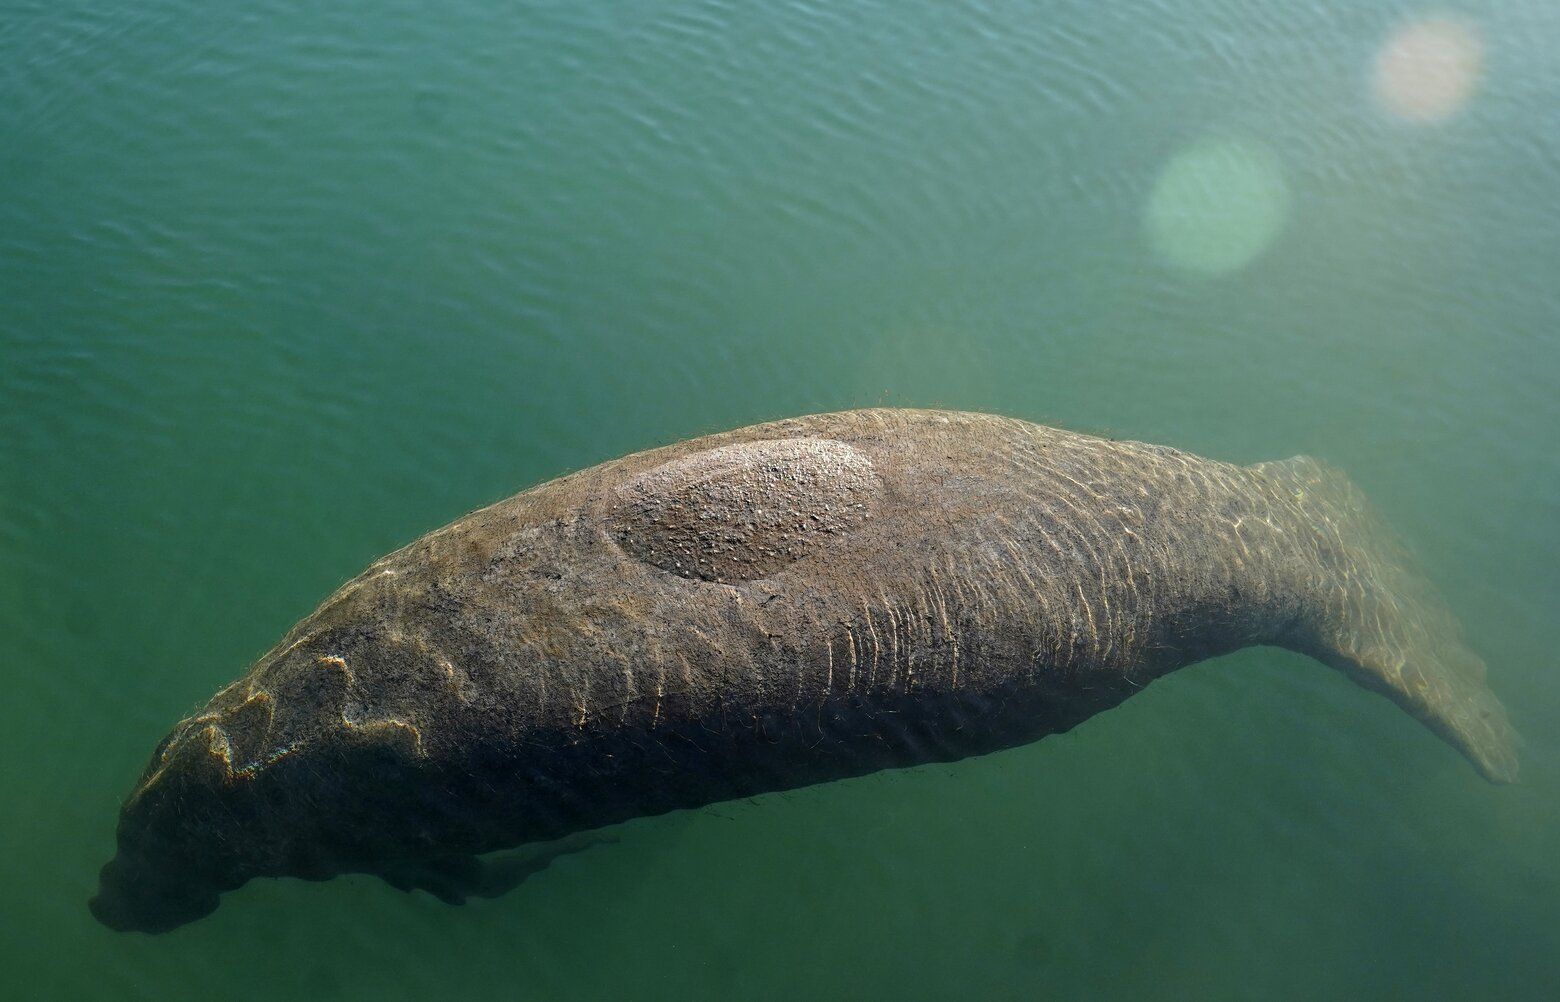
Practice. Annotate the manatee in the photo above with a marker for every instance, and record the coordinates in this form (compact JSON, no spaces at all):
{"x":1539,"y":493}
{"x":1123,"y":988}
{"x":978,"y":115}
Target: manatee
{"x":772,"y":607}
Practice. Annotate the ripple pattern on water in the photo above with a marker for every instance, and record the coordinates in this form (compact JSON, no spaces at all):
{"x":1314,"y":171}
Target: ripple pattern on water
{"x":284,"y":285}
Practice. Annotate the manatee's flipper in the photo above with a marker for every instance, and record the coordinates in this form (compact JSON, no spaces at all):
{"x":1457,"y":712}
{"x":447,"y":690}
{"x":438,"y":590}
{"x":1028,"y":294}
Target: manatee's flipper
{"x":453,"y":879}
{"x":507,"y":870}
{"x":1373,"y":616}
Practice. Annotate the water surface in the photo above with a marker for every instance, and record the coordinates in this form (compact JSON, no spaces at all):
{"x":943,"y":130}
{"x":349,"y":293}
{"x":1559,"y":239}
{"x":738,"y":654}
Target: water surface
{"x":284,"y":285}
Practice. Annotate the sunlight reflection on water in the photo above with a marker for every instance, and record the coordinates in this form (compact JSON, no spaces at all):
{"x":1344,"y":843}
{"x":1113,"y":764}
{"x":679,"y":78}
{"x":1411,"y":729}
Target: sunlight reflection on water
{"x":1217,"y":205}
{"x":1428,"y":68}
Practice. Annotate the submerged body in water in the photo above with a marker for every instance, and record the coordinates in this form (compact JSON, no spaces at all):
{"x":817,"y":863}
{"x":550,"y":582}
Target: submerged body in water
{"x":768,"y":608}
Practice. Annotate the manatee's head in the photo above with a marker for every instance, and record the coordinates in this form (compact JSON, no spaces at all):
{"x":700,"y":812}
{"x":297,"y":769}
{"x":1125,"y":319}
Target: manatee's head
{"x":163,"y":875}
{"x":288,"y":771}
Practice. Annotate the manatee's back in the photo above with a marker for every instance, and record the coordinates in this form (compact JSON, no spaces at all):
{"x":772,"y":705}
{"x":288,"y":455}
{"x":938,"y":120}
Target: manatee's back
{"x":828,"y":595}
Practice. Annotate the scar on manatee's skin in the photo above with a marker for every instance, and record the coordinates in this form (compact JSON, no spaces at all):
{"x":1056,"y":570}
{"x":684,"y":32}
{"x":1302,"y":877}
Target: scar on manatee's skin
{"x":742,"y":512}
{"x":760,"y":610}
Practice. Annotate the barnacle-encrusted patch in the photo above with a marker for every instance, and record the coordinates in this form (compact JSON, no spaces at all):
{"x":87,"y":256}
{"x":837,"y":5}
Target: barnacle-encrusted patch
{"x":744,"y":511}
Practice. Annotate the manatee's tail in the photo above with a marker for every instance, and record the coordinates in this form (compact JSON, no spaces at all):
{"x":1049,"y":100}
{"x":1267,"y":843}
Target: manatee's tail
{"x":1373,"y":616}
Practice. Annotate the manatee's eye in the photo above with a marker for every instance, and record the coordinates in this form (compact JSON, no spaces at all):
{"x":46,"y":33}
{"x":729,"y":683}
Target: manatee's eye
{"x":744,"y":511}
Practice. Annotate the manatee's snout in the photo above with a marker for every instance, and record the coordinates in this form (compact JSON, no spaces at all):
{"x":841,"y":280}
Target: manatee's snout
{"x":166,"y":872}
{"x":136,"y":897}
{"x":290,"y":771}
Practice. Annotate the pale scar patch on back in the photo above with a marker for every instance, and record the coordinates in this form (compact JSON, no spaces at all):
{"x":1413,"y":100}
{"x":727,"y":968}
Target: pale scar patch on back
{"x":742,"y":512}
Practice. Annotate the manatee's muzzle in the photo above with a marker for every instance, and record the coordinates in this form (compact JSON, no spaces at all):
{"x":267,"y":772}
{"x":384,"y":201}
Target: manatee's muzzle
{"x":137,"y":897}
{"x":160,"y":878}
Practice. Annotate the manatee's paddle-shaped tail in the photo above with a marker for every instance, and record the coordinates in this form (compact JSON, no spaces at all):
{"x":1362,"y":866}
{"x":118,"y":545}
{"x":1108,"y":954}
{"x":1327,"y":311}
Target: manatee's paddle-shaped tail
{"x":1376,"y":618}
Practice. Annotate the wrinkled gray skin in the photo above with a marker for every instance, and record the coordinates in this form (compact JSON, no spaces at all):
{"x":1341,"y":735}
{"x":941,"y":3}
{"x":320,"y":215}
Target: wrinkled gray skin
{"x":768,"y":608}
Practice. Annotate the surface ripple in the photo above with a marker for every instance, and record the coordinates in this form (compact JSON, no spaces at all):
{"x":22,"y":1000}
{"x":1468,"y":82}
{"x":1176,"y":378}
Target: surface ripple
{"x":284,"y":285}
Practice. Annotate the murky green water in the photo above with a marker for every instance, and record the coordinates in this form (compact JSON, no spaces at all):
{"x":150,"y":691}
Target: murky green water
{"x":283,"y":285}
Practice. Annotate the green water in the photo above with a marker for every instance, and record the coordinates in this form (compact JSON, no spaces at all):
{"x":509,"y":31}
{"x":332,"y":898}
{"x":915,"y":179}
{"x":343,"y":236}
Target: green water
{"x":284,"y":285}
